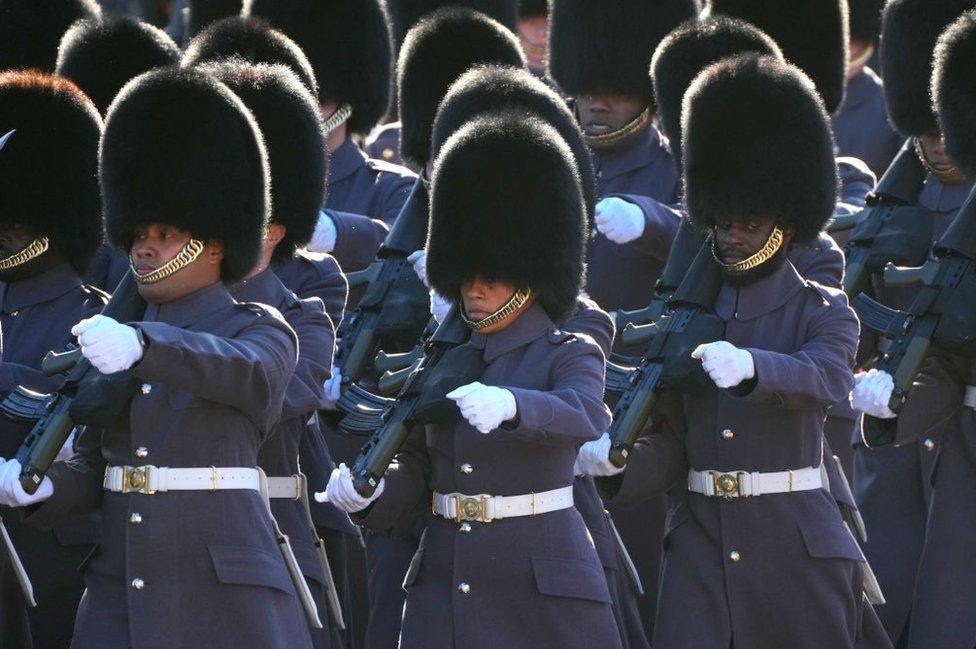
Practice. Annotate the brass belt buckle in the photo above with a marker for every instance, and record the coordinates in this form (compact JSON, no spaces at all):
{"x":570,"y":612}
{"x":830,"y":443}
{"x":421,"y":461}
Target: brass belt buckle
{"x":471,"y":508}
{"x":135,"y":479}
{"x":726,"y":485}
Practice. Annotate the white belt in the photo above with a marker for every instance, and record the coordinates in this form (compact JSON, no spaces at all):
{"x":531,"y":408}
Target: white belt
{"x":150,"y":479}
{"x":743,"y":484}
{"x":291,"y":487}
{"x":485,"y":508}
{"x":970,"y":399}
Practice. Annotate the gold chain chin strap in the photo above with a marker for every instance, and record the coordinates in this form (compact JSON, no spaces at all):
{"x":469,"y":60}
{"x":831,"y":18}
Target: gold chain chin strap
{"x":191,"y":250}
{"x":341,"y":114}
{"x":949,"y":177}
{"x":610,"y":140}
{"x":35,"y":249}
{"x":773,"y":244}
{"x":516,"y":302}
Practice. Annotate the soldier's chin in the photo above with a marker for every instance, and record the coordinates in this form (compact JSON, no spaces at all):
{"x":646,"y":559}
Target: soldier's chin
{"x":761,"y":271}
{"x":165,"y":290}
{"x":24,"y":271}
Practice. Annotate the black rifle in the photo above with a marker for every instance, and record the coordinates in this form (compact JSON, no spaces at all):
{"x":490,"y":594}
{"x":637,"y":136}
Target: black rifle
{"x":395,"y":305}
{"x":892,"y":229}
{"x":56,"y":413}
{"x":941,"y":313}
{"x":447,"y":364}
{"x":667,"y":361}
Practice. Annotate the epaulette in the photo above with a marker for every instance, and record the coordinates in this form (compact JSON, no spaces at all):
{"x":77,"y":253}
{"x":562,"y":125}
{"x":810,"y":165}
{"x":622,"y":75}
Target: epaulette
{"x":96,"y":292}
{"x":385,"y":167}
{"x":558,"y":336}
{"x":827,"y":294}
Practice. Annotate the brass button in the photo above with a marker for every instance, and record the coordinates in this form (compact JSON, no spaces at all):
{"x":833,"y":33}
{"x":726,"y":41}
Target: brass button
{"x":464,"y":587}
{"x":137,"y":479}
{"x":466,"y":469}
{"x":146,"y":388}
{"x":465,"y":527}
{"x":388,"y":154}
{"x":142,"y":451}
{"x":727,"y":434}
{"x":138,"y":583}
{"x":735,"y":556}
{"x":929,"y":444}
{"x":135,"y":518}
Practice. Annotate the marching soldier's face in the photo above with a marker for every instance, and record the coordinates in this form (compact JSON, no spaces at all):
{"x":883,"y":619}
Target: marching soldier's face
{"x":482,"y":297}
{"x":533,"y":32}
{"x":739,"y":239}
{"x":604,"y":113}
{"x":156,"y":244}
{"x":934,"y":148}
{"x":15,"y":237}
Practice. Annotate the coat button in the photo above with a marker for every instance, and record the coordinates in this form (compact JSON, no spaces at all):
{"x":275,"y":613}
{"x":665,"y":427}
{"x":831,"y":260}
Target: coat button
{"x":146,"y":388}
{"x":735,"y":556}
{"x":135,"y":518}
{"x":138,"y":583}
{"x":929,"y":444}
{"x":727,"y":434}
{"x":388,"y":154}
{"x":465,"y":527}
{"x":142,"y":451}
{"x":464,"y":587}
{"x":466,"y":469}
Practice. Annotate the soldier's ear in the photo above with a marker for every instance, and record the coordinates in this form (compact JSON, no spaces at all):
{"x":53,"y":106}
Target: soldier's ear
{"x":214,"y":252}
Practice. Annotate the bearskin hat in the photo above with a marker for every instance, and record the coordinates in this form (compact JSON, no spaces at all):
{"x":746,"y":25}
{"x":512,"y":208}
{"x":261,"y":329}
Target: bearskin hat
{"x":102,"y":55}
{"x":30,"y":30}
{"x":813,"y":35}
{"x":49,"y":165}
{"x":253,"y":40}
{"x":758,"y":142}
{"x":909,"y":30}
{"x":442,"y":47}
{"x":348,"y":44}
{"x":288,"y":117}
{"x":865,"y":20}
{"x":954,"y":92}
{"x":404,"y":14}
{"x":495,"y":88}
{"x":489,"y":220}
{"x":530,"y":8}
{"x":607,"y":46}
{"x":690,"y":49}
{"x":181,"y":148}
{"x":202,"y":13}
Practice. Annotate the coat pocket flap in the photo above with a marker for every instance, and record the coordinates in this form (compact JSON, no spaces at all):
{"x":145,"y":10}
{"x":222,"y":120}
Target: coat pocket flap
{"x":825,"y":540}
{"x":308,"y":560}
{"x":250,"y":566}
{"x":571,"y":578}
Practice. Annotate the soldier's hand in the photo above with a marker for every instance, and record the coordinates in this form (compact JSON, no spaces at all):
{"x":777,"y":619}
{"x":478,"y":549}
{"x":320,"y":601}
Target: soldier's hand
{"x":618,"y":220}
{"x":325,"y":234}
{"x":341,"y":492}
{"x":872,"y":393}
{"x":484,"y":406}
{"x":418,"y":259}
{"x":110,"y":346}
{"x":725,"y":364}
{"x":594,"y":458}
{"x":12,"y":494}
{"x":439,"y":306}
{"x":333,"y":389}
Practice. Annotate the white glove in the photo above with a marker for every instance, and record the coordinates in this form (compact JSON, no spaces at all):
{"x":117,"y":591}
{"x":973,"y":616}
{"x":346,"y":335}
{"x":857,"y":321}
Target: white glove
{"x":12,"y":494}
{"x":618,"y":220}
{"x":418,"y":258}
{"x":725,"y":364}
{"x":484,"y":406}
{"x":333,"y":389}
{"x":594,"y":458}
{"x":343,"y":495}
{"x":872,"y":393}
{"x":439,"y":306}
{"x":325,"y":234}
{"x":110,"y":346}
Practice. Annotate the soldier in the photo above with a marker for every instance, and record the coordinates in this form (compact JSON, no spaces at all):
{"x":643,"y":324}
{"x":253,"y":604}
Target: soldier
{"x":861,"y":126}
{"x":51,"y":227}
{"x":533,"y":33}
{"x":30,"y":31}
{"x":101,"y":56}
{"x":188,"y":553}
{"x":287,"y":114}
{"x":540,"y":395}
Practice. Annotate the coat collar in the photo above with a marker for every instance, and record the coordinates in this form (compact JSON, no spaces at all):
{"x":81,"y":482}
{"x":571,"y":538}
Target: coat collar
{"x":264,"y":288}
{"x":638,"y":152}
{"x":44,"y":287}
{"x":529,"y":326}
{"x":938,"y":197}
{"x":345,"y":161}
{"x":765,"y":296}
{"x":190,"y":308}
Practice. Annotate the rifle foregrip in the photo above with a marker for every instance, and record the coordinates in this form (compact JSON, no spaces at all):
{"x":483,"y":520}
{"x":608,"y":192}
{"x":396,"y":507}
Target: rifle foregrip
{"x":376,"y":458}
{"x":639,"y":334}
{"x":58,"y":362}
{"x":855,"y":277}
{"x":394,"y":362}
{"x":45,"y":449}
{"x":391,"y":383}
{"x":628,"y":423}
{"x":362,"y":349}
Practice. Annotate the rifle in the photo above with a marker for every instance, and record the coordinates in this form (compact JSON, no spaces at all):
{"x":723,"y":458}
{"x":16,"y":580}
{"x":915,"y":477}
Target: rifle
{"x":447,"y":364}
{"x":892,"y":229}
{"x":56,"y":413}
{"x":667,"y":358}
{"x":390,"y":306}
{"x":940,"y":314}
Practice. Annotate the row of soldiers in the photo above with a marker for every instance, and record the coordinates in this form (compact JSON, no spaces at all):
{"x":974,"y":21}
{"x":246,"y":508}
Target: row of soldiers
{"x":222,"y":189}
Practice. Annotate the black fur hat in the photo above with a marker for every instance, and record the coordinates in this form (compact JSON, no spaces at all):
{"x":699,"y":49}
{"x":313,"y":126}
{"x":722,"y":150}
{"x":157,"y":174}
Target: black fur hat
{"x":865,"y":20}
{"x":530,"y":8}
{"x":606,"y":46}
{"x":202,"y":13}
{"x":288,"y":117}
{"x":182,"y":149}
{"x":49,"y":165}
{"x":758,"y":142}
{"x":954,"y":92}
{"x":404,"y":14}
{"x":494,"y":88}
{"x":101,"y":56}
{"x":487,"y":219}
{"x":909,"y":30}
{"x":813,"y":35}
{"x":348,"y":44}
{"x":443,"y":46}
{"x":30,"y":30}
{"x":690,"y":49}
{"x":251,"y":39}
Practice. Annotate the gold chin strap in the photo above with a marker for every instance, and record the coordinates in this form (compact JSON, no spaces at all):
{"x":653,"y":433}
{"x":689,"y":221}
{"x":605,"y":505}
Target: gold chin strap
{"x":190,"y":252}
{"x":611,"y":140}
{"x":949,"y":177}
{"x":516,"y":302}
{"x":773,"y":244}
{"x":35,"y":249}
{"x":341,"y":114}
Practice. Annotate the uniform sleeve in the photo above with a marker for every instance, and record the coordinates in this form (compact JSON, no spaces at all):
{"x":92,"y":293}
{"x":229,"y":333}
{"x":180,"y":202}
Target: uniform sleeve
{"x":593,"y":321}
{"x":660,"y":226}
{"x":77,"y":483}
{"x":822,"y":262}
{"x":316,"y":345}
{"x":857,"y":181}
{"x":407,"y":486}
{"x":937,"y":393}
{"x":358,"y":238}
{"x":15,"y":374}
{"x":392,"y":192}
